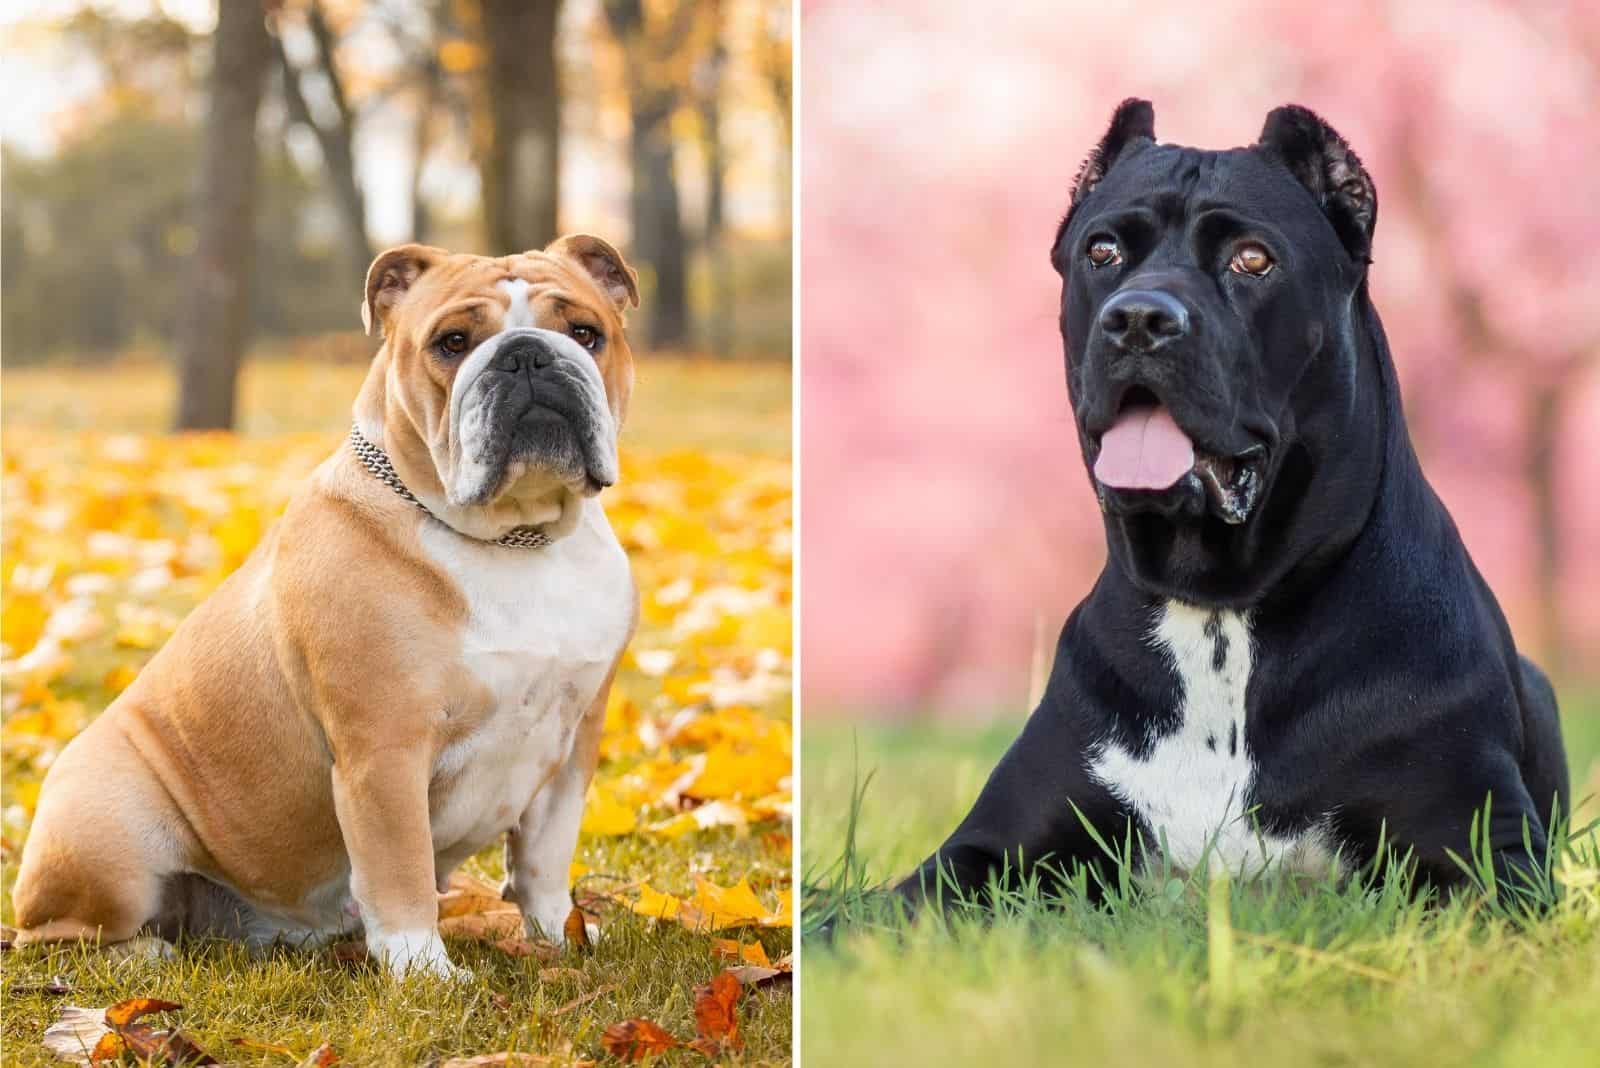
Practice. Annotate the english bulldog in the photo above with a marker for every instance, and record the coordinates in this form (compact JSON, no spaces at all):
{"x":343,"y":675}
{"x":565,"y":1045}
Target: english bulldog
{"x":413,"y":662}
{"x":1289,"y":660}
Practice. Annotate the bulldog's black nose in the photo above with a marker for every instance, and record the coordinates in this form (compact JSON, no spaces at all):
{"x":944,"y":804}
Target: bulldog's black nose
{"x":518,"y":352}
{"x":1143,"y":320}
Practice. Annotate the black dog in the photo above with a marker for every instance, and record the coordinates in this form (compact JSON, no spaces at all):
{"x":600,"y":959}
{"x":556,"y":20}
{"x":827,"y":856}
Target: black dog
{"x":1289,"y":656}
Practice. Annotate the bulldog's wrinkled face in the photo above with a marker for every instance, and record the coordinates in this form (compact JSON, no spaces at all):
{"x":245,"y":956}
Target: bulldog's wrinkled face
{"x":505,"y":380}
{"x":1198,"y":287}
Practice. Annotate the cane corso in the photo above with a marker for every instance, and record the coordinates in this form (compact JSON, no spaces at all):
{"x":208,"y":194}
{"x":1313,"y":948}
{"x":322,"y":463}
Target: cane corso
{"x":1289,"y":659}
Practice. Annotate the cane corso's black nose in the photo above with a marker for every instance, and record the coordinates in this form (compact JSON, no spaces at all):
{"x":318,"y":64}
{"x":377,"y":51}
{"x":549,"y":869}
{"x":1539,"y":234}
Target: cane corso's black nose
{"x":1143,"y":320}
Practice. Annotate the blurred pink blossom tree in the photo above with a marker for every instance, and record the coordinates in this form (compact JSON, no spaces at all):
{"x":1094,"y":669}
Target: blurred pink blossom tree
{"x":947,"y":519}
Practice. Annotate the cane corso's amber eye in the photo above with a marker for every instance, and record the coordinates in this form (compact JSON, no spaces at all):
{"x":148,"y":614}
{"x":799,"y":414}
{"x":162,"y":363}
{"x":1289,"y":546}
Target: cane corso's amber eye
{"x":587,"y":336}
{"x":1251,"y":259}
{"x":1103,"y":251}
{"x":453,"y":344}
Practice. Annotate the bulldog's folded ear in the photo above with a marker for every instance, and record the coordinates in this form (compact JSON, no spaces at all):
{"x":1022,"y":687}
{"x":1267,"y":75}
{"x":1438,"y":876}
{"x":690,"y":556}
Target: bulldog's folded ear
{"x":1325,"y":164}
{"x":390,"y":275}
{"x":603,"y":263}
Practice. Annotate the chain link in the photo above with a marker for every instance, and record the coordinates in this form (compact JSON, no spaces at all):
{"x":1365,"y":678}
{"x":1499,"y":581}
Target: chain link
{"x":376,"y":461}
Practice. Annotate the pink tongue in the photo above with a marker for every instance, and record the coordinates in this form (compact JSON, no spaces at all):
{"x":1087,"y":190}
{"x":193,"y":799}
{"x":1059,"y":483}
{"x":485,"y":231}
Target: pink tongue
{"x":1144,"y":449}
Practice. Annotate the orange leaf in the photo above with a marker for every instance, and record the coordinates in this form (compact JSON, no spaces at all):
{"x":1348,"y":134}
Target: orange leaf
{"x":715,"y":1018}
{"x":109,"y":1048}
{"x":634,"y":1040}
{"x":125,"y":1012}
{"x":576,"y":930}
{"x":728,"y":949}
{"x":321,"y":1057}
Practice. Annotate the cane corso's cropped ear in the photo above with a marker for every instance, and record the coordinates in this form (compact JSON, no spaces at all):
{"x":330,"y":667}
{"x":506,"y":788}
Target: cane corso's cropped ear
{"x":1133,"y":123}
{"x":1324,"y":163}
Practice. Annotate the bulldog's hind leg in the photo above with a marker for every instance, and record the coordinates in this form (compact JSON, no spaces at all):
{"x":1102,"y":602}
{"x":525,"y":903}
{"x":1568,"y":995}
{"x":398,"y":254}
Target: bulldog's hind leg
{"x":103,"y":845}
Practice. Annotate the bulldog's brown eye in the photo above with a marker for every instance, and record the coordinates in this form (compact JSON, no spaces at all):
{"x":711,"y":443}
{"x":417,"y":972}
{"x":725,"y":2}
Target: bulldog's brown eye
{"x":1251,"y":259}
{"x":587,"y":336}
{"x":453,"y":343}
{"x":1104,"y":251}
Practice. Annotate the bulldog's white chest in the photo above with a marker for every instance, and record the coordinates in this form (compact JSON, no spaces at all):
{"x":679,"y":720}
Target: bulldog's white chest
{"x":1194,"y":786}
{"x":543,"y":628}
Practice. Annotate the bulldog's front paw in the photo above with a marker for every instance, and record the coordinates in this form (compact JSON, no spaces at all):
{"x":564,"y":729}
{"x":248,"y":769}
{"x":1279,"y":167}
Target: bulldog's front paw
{"x":419,"y":952}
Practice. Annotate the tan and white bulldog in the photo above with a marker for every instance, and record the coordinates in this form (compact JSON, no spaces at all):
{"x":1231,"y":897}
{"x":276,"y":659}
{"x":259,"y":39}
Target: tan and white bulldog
{"x":413,"y":661}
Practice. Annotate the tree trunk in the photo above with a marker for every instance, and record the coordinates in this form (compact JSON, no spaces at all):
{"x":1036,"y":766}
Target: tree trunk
{"x":519,"y":158}
{"x":336,"y":142}
{"x":658,"y":238}
{"x":213,"y":332}
{"x":713,"y":69}
{"x":1544,"y":445}
{"x":421,"y":145}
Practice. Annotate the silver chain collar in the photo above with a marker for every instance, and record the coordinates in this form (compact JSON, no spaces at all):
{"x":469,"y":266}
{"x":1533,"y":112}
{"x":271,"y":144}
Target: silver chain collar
{"x":377,"y":462}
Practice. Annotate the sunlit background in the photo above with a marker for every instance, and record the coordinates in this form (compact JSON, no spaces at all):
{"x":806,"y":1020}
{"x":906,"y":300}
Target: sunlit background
{"x":479,"y":126}
{"x":192,"y":193}
{"x":949,"y":525}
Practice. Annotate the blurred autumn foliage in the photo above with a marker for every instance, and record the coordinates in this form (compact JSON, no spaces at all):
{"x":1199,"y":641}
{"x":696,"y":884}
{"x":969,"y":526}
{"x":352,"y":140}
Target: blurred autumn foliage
{"x":191,"y":184}
{"x":111,"y":537}
{"x":940,"y":142}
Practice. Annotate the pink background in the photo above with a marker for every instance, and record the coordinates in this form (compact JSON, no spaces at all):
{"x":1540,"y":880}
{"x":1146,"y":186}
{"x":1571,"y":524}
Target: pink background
{"x":946,"y":515}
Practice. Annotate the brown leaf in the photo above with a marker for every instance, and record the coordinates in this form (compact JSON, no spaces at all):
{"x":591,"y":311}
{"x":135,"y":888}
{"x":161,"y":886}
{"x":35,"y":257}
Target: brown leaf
{"x":634,"y":1040}
{"x":321,"y":1057}
{"x":757,"y":976}
{"x":144,"y":1041}
{"x":460,"y":903}
{"x":576,"y":930}
{"x":715,"y":1015}
{"x":521,"y":947}
{"x":484,"y":926}
{"x":782,"y":971}
{"x":162,"y":1047}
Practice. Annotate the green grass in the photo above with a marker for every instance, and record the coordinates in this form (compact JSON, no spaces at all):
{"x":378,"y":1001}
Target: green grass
{"x":300,"y":999}
{"x":1180,"y":974}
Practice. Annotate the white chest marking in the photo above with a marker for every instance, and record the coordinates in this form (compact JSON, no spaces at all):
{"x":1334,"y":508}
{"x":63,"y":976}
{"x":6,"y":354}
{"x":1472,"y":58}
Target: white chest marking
{"x":543,"y":628}
{"x":1193,"y":788}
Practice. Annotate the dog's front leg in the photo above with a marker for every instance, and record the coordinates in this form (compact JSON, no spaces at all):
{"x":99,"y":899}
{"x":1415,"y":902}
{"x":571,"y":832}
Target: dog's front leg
{"x":381,"y":799}
{"x":539,"y":852}
{"x":1028,"y":819}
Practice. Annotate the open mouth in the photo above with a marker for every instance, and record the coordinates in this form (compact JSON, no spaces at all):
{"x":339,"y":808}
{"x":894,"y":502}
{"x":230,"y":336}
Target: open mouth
{"x":1146,"y":452}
